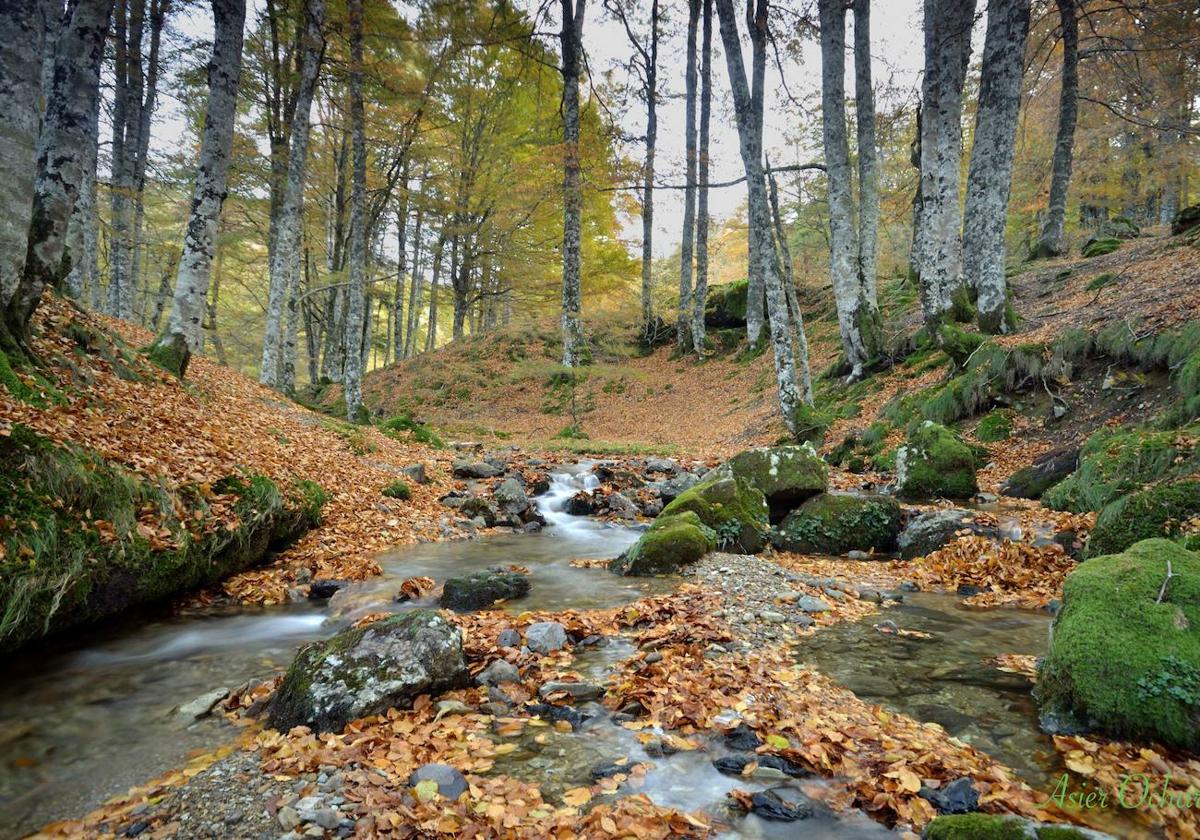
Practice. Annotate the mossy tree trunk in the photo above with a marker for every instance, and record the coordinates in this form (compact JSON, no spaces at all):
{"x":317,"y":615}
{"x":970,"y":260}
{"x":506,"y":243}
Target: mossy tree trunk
{"x":571,"y":40}
{"x":1050,"y":242}
{"x":700,"y":292}
{"x":358,"y":220}
{"x":183,"y":335}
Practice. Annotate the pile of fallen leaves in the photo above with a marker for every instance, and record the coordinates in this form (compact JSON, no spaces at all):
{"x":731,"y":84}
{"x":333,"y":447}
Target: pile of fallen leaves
{"x":1009,"y":572}
{"x":218,"y":423}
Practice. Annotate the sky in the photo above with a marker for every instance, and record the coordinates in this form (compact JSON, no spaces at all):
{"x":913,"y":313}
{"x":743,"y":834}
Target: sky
{"x":896,"y":57}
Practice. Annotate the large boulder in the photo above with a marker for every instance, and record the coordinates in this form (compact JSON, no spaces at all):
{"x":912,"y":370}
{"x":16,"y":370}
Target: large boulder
{"x":511,"y":498}
{"x":835,"y":523}
{"x":786,"y":475}
{"x":671,"y":542}
{"x":1046,"y":471}
{"x":932,"y":530}
{"x":732,"y":507}
{"x":934,"y":462}
{"x":1124,"y":652}
{"x":480,"y":590}
{"x":671,"y":488}
{"x":725,"y":305}
{"x":1185,"y":220}
{"x":368,"y":670}
{"x":1116,"y":462}
{"x":1118,"y":227}
{"x":462,"y":468}
{"x":1160,"y":511}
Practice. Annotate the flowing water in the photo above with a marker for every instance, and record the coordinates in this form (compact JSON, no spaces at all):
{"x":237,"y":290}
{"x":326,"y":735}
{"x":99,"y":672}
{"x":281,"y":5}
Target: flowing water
{"x":83,"y":721}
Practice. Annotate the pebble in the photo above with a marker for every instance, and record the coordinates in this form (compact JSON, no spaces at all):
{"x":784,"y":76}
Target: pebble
{"x":288,"y":818}
{"x":772,"y":616}
{"x":812,"y":605}
{"x":498,"y":672}
{"x":653,"y":657}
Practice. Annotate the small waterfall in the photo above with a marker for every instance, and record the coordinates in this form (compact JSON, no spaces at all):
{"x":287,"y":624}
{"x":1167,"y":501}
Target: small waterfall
{"x":564,"y":485}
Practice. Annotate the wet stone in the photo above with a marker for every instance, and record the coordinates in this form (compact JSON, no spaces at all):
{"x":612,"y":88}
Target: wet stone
{"x":509,"y":638}
{"x":958,"y":797}
{"x":451,"y":784}
{"x":769,"y":805}
{"x":742,"y":737}
{"x":545,"y":637}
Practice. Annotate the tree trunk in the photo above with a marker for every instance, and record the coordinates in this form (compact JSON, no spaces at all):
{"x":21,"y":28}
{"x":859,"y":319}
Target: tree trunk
{"x":858,"y":320}
{"x":396,"y":318}
{"x":352,"y":382}
{"x":947,"y":52}
{"x":686,"y":249}
{"x":118,"y":195}
{"x":22,"y":42}
{"x":183,"y":335}
{"x":61,"y":155}
{"x":414,"y":289}
{"x":571,"y":39}
{"x":285,"y":255}
{"x":651,"y":92}
{"x":701,"y":290}
{"x":158,"y":13}
{"x":431,"y":335}
{"x":1050,"y":243}
{"x":762,"y":251}
{"x":868,"y":155}
{"x":990,"y":177}
{"x":83,"y":283}
{"x":784,"y":260}
{"x":213,"y":301}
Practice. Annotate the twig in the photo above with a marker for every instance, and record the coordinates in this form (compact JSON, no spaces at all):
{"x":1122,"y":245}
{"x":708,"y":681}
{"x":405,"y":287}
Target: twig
{"x":1162,"y":593}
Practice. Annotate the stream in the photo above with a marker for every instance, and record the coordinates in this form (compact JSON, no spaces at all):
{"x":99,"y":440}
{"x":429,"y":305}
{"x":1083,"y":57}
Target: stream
{"x":83,"y":720}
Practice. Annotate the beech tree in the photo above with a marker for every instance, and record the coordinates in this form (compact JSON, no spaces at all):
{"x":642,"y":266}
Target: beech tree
{"x":183,"y":335}
{"x":684,"y":320}
{"x":700,"y":292}
{"x":990,"y":176}
{"x":1050,"y":241}
{"x":571,"y":40}
{"x":352,"y":381}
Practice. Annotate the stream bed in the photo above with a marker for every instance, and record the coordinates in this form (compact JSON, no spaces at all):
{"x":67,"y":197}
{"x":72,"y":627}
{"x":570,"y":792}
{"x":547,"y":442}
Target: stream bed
{"x":83,"y":721}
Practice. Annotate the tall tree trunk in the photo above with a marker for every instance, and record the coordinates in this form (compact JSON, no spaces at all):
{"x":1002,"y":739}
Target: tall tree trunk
{"x":117,"y":198}
{"x":947,"y":52}
{"x":990,"y":177}
{"x":397,"y":315}
{"x":158,"y":14}
{"x":868,"y":155}
{"x":784,"y":260}
{"x":285,"y":256}
{"x":431,"y":335}
{"x":214,"y":299}
{"x":651,"y":91}
{"x":1050,"y":243}
{"x":414,"y":289}
{"x":686,"y":249}
{"x":858,"y":320}
{"x":352,"y":383}
{"x":83,"y":283}
{"x":571,"y":39}
{"x":58,"y":175}
{"x":22,"y":41}
{"x":763,"y":260}
{"x":700,"y":293}
{"x":183,"y":335}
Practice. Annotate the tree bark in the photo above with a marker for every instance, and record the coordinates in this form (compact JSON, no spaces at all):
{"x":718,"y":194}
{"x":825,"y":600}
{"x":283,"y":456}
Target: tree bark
{"x":61,"y":154}
{"x":990,"y":178}
{"x":686,"y":249}
{"x":183,"y":335}
{"x":431,"y":335}
{"x":571,"y":39}
{"x":118,"y":196}
{"x":397,"y":315}
{"x":285,"y":255}
{"x":158,"y":14}
{"x":762,"y":251}
{"x":414,"y":289}
{"x":648,"y":173}
{"x":352,"y":382}
{"x":868,"y":155}
{"x":947,"y":52}
{"x":700,"y":293}
{"x":784,"y":259}
{"x":1050,"y":242}
{"x":22,"y":42}
{"x":83,"y":283}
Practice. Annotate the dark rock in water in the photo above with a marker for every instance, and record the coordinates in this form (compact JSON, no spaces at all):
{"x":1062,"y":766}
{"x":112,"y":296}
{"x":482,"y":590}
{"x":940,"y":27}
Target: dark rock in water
{"x":742,"y":737}
{"x":450,"y":783}
{"x":497,"y":673}
{"x":455,"y":499}
{"x":769,"y":805}
{"x":581,"y":504}
{"x":475,"y":469}
{"x":930,"y":531}
{"x":1046,"y":471}
{"x":652,"y":507}
{"x":958,"y":797}
{"x":511,"y":498}
{"x":509,"y":638}
{"x":367,"y":670}
{"x":478,"y":507}
{"x":415,"y":473}
{"x":482,"y":589}
{"x":322,"y":588}
{"x":532,"y":527}
{"x":605,"y":771}
{"x":661,"y":465}
{"x":619,"y":504}
{"x":909,"y":586}
{"x":733,"y":765}
{"x":554,"y":714}
{"x":966,"y":590}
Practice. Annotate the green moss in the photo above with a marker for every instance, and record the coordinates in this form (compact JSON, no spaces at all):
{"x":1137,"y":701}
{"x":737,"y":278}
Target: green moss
{"x":809,"y":423}
{"x":170,"y":353}
{"x":1100,"y":247}
{"x":994,"y":427}
{"x":1125,"y":648}
{"x":572,"y":432}
{"x":311,"y":497}
{"x":962,"y":307}
{"x":732,"y":507}
{"x":405,"y":427}
{"x":397,"y":490}
{"x":934,"y":462}
{"x":725,"y":305}
{"x":673,"y":541}
{"x":835,"y":523}
{"x":1160,"y":511}
{"x":39,"y":394}
{"x":958,"y":343}
{"x":1114,"y":463}
{"x":786,"y":475}
{"x":354,"y":436}
{"x":976,"y":827}
{"x":1101,"y":281}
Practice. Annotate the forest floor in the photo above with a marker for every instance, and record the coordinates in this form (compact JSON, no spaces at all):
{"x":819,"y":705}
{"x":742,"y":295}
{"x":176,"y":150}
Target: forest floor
{"x":698,"y":653}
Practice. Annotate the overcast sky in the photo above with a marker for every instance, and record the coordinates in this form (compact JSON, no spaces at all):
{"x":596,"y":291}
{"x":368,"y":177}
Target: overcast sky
{"x":897,"y":56}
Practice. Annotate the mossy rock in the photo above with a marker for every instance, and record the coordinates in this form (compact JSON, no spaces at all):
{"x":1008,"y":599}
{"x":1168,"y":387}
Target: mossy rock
{"x":1125,"y":648}
{"x":994,"y":427}
{"x":1118,"y":227}
{"x":1033,"y":481}
{"x":1100,"y":247}
{"x":1160,"y":511}
{"x":673,"y":541}
{"x":733,"y":508}
{"x":1002,"y":827}
{"x":1113,"y":463}
{"x":480,"y":590}
{"x":1185,"y":220}
{"x":725,"y":305}
{"x":959,"y":344}
{"x":785,"y":475}
{"x":835,"y":523}
{"x":367,"y":670}
{"x":934,"y":462}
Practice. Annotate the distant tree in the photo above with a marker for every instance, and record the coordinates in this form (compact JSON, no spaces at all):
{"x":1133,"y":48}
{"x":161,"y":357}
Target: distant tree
{"x":702,"y":219}
{"x":1050,"y":242}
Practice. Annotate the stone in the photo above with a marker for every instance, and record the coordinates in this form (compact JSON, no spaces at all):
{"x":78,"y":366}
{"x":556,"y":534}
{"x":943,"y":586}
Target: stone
{"x":1045,"y":471}
{"x":327,"y":818}
{"x":803,"y":621}
{"x":323,"y":588}
{"x":415,"y":473}
{"x":499,"y":672}
{"x":509,"y":638}
{"x":772,"y":617}
{"x":671,"y":542}
{"x":366,"y":670}
{"x":288,"y":818}
{"x":661,"y":465}
{"x":670,"y":489}
{"x":1185,"y":220}
{"x":1163,"y":510}
{"x":577,"y":691}
{"x":812,"y":605}
{"x":203,"y":705}
{"x":785,"y":475}
{"x":930,"y":531}
{"x":834,"y":523}
{"x":742,"y":737}
{"x":582,"y":503}
{"x":450,"y":783}
{"x":934,"y":462}
{"x":484,"y":511}
{"x":620,"y":505}
{"x":463,"y":468}
{"x":511,"y":498}
{"x":769,"y":805}
{"x":545,"y":637}
{"x":479,"y":590}
{"x":958,"y":797}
